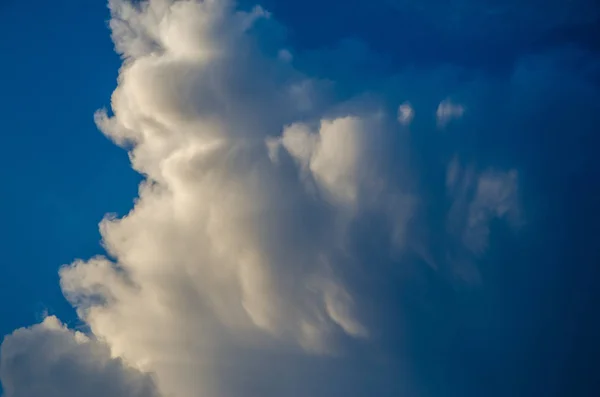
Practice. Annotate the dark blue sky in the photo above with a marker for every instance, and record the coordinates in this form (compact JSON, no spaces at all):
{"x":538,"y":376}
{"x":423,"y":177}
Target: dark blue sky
{"x":60,"y":175}
{"x":532,"y":329}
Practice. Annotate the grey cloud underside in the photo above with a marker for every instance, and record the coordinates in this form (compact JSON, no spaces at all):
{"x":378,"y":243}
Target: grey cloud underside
{"x":47,"y":360}
{"x":297,"y":235}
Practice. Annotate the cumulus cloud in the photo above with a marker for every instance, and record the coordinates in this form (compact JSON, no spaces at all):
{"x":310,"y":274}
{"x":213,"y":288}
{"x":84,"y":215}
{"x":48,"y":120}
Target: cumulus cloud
{"x":273,"y":206}
{"x":50,"y":360}
{"x":226,"y":247}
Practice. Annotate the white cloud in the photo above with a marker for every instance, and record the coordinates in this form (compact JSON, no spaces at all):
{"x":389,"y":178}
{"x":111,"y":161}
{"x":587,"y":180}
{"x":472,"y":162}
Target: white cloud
{"x":337,"y":156}
{"x":51,"y":361}
{"x":220,"y":249}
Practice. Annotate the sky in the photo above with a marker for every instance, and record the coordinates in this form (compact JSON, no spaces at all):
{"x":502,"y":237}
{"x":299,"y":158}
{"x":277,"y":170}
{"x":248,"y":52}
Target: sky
{"x":391,"y":198}
{"x":68,"y":174}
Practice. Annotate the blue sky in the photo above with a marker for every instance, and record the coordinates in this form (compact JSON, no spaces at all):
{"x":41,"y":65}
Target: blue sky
{"x":471,"y":274}
{"x":68,"y":174}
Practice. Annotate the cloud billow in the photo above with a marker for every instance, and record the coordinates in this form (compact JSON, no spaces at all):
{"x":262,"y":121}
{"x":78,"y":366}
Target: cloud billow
{"x":50,"y":360}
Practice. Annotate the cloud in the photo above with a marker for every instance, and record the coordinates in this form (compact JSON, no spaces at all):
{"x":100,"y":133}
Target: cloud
{"x":482,"y":197}
{"x":405,"y":113}
{"x":49,"y":360}
{"x":337,"y":156}
{"x":448,"y":111}
{"x":225,"y":247}
{"x":278,"y":215}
